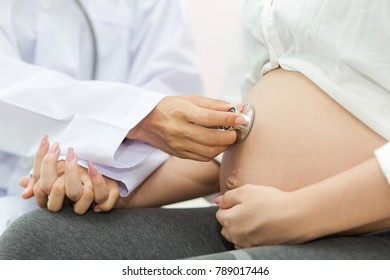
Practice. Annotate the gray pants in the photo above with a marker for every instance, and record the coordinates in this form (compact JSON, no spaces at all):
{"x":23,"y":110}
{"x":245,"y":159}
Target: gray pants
{"x":158,"y":233}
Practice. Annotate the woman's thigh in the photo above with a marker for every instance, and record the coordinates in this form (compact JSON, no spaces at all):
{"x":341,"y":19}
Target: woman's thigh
{"x":144,"y":233}
{"x":373,"y":246}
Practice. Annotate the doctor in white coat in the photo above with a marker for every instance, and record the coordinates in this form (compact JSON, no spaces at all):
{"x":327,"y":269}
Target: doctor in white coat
{"x":95,"y":75}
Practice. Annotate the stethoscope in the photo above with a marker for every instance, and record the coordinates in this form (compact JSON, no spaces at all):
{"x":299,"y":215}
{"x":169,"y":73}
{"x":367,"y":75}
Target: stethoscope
{"x":247,"y":112}
{"x":93,"y":38}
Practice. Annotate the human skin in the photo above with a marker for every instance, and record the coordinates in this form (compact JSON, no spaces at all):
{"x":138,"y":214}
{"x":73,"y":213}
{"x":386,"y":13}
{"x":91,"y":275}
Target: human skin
{"x":177,"y":125}
{"x":175,"y":180}
{"x":300,"y":136}
{"x":306,"y":170}
{"x":170,"y":127}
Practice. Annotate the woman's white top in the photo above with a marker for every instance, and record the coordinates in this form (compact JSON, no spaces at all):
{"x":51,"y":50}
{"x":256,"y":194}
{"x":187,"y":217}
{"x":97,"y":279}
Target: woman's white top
{"x":342,"y":46}
{"x":145,"y":51}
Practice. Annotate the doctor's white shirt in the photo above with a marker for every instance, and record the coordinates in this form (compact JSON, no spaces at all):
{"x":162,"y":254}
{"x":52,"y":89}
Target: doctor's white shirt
{"x":145,"y":52}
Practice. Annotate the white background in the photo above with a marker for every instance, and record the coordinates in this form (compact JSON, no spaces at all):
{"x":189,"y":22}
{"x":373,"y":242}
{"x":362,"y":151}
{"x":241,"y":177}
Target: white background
{"x":213,"y":24}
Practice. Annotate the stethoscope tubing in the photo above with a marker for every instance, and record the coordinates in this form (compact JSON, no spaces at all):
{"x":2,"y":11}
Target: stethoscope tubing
{"x":93,"y":38}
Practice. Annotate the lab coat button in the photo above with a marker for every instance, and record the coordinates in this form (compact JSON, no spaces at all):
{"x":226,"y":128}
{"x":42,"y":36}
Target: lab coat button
{"x":46,"y":4}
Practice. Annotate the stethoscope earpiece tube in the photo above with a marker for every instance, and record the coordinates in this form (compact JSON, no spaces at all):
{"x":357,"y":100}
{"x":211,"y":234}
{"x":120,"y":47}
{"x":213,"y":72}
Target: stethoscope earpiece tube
{"x":93,"y":38}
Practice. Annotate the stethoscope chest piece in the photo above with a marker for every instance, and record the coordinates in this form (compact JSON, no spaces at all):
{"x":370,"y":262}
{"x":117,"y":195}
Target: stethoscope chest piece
{"x":248,"y":113}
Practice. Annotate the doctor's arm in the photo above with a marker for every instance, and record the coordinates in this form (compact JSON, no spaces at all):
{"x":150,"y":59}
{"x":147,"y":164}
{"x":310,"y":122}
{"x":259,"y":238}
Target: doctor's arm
{"x":165,"y":60}
{"x":62,"y":110}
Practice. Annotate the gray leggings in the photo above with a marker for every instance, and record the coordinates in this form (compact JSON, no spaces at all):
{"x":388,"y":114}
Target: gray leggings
{"x":158,"y":233}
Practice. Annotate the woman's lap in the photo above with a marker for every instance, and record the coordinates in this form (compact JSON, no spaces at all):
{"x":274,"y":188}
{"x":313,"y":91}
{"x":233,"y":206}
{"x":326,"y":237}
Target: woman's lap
{"x":144,"y":233}
{"x":373,"y":246}
{"x":159,"y":233}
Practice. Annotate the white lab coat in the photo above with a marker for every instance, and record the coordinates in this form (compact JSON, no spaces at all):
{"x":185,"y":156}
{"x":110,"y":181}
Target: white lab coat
{"x":145,"y":51}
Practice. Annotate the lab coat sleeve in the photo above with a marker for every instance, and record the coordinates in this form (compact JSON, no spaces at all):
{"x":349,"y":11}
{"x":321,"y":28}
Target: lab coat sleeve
{"x":383,"y":156}
{"x":164,"y":59}
{"x":94,"y":117}
{"x":130,"y":178}
{"x":79,"y":114}
{"x":36,"y":101}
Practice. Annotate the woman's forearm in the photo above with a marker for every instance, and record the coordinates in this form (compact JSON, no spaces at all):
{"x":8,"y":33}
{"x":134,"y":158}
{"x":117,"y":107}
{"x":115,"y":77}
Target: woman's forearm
{"x":354,"y":201}
{"x":176,"y":180}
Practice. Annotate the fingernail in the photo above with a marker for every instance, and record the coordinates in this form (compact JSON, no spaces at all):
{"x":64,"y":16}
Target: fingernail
{"x":55,"y":147}
{"x":92,"y":169}
{"x":97,"y":210}
{"x":239,"y":120}
{"x":70,"y":154}
{"x":218,"y":199}
{"x":44,"y":141}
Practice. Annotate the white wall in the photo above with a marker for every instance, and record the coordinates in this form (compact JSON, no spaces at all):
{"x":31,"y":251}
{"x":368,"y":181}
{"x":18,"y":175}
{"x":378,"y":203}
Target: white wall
{"x":213,"y":24}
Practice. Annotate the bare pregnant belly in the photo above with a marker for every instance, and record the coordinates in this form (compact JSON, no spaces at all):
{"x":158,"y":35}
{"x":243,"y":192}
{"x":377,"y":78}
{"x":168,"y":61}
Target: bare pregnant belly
{"x":300,"y":136}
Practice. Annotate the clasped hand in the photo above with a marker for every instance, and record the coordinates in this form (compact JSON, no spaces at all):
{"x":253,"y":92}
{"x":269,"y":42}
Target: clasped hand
{"x":54,"y":182}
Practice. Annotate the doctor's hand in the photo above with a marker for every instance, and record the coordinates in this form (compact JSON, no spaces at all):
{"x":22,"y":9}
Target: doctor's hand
{"x":177,"y":125}
{"x":54,"y":182}
{"x":254,"y":215}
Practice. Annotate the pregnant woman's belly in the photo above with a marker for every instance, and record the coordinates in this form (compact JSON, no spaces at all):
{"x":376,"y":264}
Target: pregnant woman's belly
{"x":300,"y":136}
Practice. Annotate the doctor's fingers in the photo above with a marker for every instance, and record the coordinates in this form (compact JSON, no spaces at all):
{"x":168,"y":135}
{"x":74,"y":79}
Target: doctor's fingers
{"x":189,"y":149}
{"x":49,"y":168}
{"x":112,"y":199}
{"x":209,"y":136}
{"x":28,"y":183}
{"x":106,"y":190}
{"x":85,"y":201}
{"x":100,"y":188}
{"x":40,"y":153}
{"x":186,"y":136}
{"x":73,"y":181}
{"x":203,"y":152}
{"x":207,"y":117}
{"x":78,"y":188}
{"x":57,"y":195}
{"x":41,"y":197}
{"x":204,"y":143}
{"x":210,"y":103}
{"x":24,"y":181}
